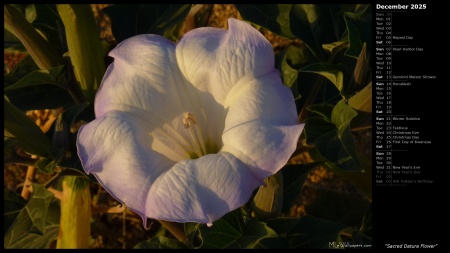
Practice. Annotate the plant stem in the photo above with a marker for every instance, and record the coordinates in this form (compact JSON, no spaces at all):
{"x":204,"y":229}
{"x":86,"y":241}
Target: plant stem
{"x":175,"y":229}
{"x":29,"y":178}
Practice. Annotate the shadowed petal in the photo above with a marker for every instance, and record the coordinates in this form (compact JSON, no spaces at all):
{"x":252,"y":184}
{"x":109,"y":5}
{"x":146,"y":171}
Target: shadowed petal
{"x":117,"y":149}
{"x":201,"y":190}
{"x":264,"y":148}
{"x":261,"y":127}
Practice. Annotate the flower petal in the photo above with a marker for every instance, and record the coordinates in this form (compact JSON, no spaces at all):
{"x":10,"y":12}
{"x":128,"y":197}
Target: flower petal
{"x":117,"y":150}
{"x":214,"y":60}
{"x":265,"y":149}
{"x":144,"y":79}
{"x":201,"y":190}
{"x":261,"y":127}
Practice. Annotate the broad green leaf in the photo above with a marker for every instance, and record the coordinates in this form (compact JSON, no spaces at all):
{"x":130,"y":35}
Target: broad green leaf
{"x":230,"y":232}
{"x":283,"y":225}
{"x":73,"y":114}
{"x":341,"y":116}
{"x":294,"y":176}
{"x":335,"y":47}
{"x":128,"y":20}
{"x":170,"y":23}
{"x":49,"y":23}
{"x":330,"y":71}
{"x":307,"y":232}
{"x":255,"y":235}
{"x":31,"y":228}
{"x":359,"y":27}
{"x":39,"y":77}
{"x":224,"y":231}
{"x":273,"y":17}
{"x":40,"y":97}
{"x":20,"y":70}
{"x":34,"y":241}
{"x":334,"y":139}
{"x":28,"y":135}
{"x":35,"y":97}
{"x":289,"y":61}
{"x":160,"y":242}
{"x":191,"y":229}
{"x":12,"y":204}
{"x":46,"y":165}
{"x":314,"y":24}
{"x":74,"y":163}
{"x":362,"y":72}
{"x":268,"y":201}
{"x":323,"y":110}
{"x":362,"y":101}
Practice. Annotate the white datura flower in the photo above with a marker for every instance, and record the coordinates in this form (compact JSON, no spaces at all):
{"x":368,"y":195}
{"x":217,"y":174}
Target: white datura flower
{"x":186,"y":132}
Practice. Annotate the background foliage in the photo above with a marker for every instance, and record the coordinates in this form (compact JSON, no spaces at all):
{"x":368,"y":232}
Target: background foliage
{"x":323,"y":53}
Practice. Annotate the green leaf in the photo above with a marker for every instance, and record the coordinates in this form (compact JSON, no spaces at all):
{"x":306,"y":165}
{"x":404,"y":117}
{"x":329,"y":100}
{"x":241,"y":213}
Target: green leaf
{"x":361,"y":179}
{"x":334,"y":139}
{"x":191,"y":229}
{"x":288,"y":62}
{"x":83,"y":39}
{"x":294,"y":176}
{"x":307,"y":232}
{"x":12,"y":204}
{"x":48,"y":21}
{"x":22,"y":69}
{"x":232,"y":232}
{"x":28,"y":96}
{"x":273,"y":17}
{"x":32,"y":228}
{"x":335,"y":47}
{"x":362,"y":72}
{"x":74,"y":163}
{"x":323,"y":110}
{"x":44,"y":54}
{"x":359,"y":27}
{"x":28,"y":135}
{"x":160,"y":242}
{"x":40,"y":97}
{"x":330,"y":71}
{"x":128,"y":20}
{"x":283,"y":225}
{"x":341,"y":116}
{"x":39,"y":77}
{"x":224,"y":231}
{"x":314,"y":24}
{"x":268,"y":201}
{"x":11,"y":43}
{"x":362,"y":101}
{"x":257,"y":235}
{"x":46,"y":165}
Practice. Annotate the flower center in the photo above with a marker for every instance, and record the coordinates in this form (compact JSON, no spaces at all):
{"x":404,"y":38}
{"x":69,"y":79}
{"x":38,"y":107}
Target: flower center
{"x":195,"y":134}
